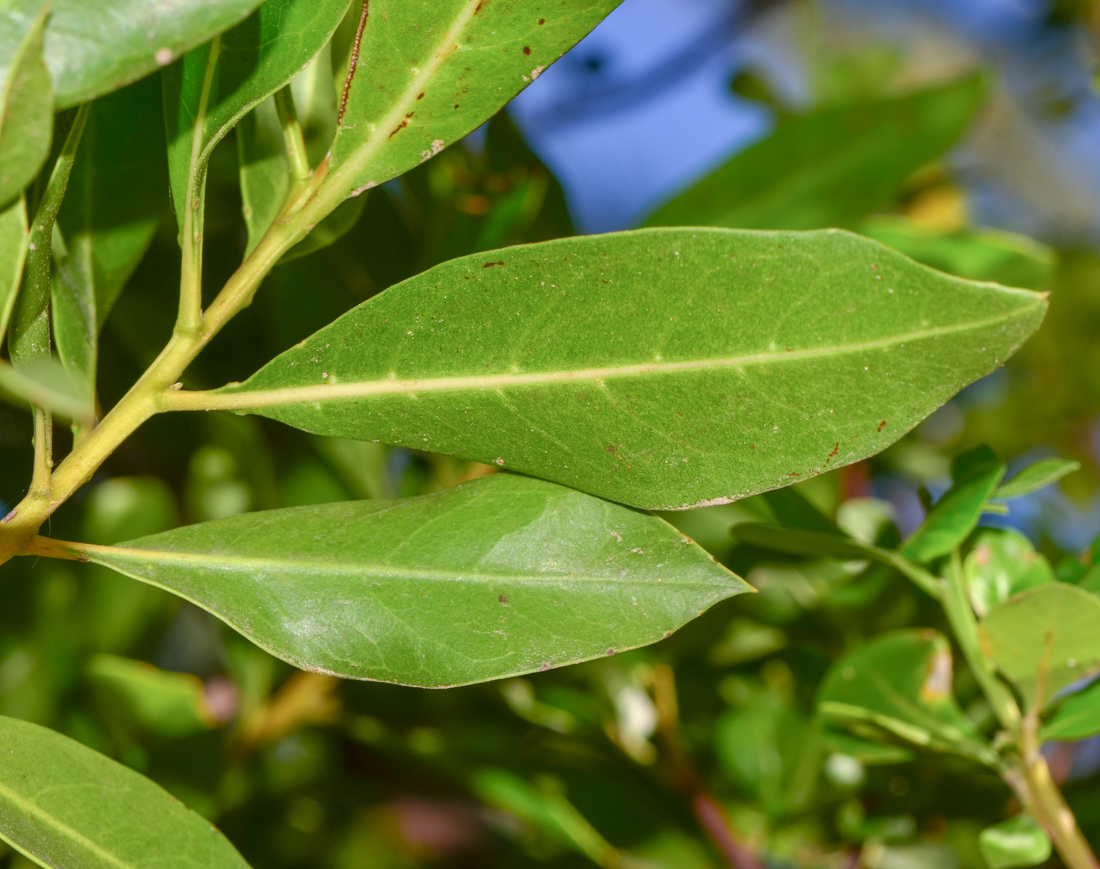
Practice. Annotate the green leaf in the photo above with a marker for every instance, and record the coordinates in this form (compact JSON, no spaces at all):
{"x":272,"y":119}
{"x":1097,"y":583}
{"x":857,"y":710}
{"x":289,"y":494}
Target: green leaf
{"x":761,"y":747}
{"x":830,"y":167}
{"x":493,"y":578}
{"x":430,"y":71}
{"x":169,"y":704}
{"x":986,"y":255}
{"x":44,"y":382}
{"x":1001,"y":565}
{"x":97,"y":46}
{"x":813,"y":544}
{"x":13,"y":254}
{"x":1017,"y":842}
{"x":330,"y":230}
{"x":1075,"y":717}
{"x":956,"y":514}
{"x":116,"y":194}
{"x":1045,"y":636}
{"x":26,"y":109}
{"x":68,"y":807}
{"x":214,"y":86}
{"x":660,"y":368}
{"x":30,"y":328}
{"x":1036,"y":476}
{"x":264,"y":173}
{"x":900,"y":684}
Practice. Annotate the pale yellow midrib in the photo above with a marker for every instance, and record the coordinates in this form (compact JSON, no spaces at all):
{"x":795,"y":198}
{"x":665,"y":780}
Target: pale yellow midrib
{"x":34,"y":810}
{"x":251,"y":399}
{"x":133,"y":557}
{"x":378,"y":139}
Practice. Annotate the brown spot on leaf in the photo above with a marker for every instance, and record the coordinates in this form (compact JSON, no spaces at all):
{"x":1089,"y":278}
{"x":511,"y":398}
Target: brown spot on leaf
{"x":882,"y":425}
{"x":421,"y":96}
{"x":542,"y":21}
{"x":503,"y":599}
{"x":610,"y":448}
{"x":527,"y":49}
{"x":499,"y":262}
{"x":543,"y":668}
{"x":794,"y":474}
{"x":399,"y":127}
{"x":832,"y":455}
{"x":610,"y":651}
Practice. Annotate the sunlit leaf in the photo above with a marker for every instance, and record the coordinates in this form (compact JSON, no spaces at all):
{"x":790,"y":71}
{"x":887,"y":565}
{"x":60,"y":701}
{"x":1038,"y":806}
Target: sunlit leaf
{"x":71,"y":808}
{"x":660,"y":368}
{"x":1001,"y":565}
{"x":1043,"y":473}
{"x":13,"y":253}
{"x":500,"y":576}
{"x":97,"y":46}
{"x":1075,"y":717}
{"x":1015,"y":843}
{"x":26,"y":108}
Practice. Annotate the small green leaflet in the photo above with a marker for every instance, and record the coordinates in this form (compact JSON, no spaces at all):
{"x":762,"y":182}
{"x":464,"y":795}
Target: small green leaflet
{"x":899,"y":684}
{"x":44,"y":382}
{"x":26,"y":110}
{"x":430,"y":71}
{"x":493,"y":578}
{"x":1075,"y":717}
{"x":138,"y":695}
{"x":1015,"y":843}
{"x":1046,"y":637}
{"x":1001,"y":565}
{"x":96,"y":46}
{"x":829,"y":167}
{"x":67,"y":807}
{"x":13,"y":253}
{"x":956,"y":514}
{"x":662,"y":368}
{"x":1043,"y":473}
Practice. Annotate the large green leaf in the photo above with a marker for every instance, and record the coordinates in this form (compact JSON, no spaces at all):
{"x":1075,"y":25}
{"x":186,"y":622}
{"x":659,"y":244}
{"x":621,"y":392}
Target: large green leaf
{"x":97,"y":46}
{"x":1044,"y":637}
{"x":662,"y":368}
{"x":430,"y":71}
{"x":829,"y":167}
{"x":956,"y":514}
{"x":212,"y":87}
{"x":500,"y":576}
{"x":26,"y":110}
{"x":68,"y":807}
{"x":899,"y":684}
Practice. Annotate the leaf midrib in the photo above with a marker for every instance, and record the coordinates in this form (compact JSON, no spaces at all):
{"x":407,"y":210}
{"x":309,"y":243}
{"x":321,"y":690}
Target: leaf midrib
{"x":242,"y":397}
{"x":27,"y":807}
{"x":134,"y":557}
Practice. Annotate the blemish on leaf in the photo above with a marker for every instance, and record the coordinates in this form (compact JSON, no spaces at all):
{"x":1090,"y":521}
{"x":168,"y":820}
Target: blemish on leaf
{"x":610,"y":652}
{"x":527,"y":49}
{"x":882,"y":425}
{"x":164,"y":56}
{"x":399,"y":127}
{"x":420,"y":96}
{"x":503,"y":600}
{"x":542,"y":21}
{"x":937,"y":684}
{"x":490,"y":265}
{"x":610,"y":448}
{"x":543,"y":668}
{"x":833,"y":454}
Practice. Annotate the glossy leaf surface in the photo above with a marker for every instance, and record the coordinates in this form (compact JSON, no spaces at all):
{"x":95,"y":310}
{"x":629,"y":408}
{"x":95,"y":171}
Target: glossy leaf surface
{"x":1046,"y":636}
{"x":209,"y":91}
{"x":660,"y":368}
{"x":500,"y":576}
{"x":1015,"y":843}
{"x":1037,"y":476}
{"x":900,"y":684}
{"x":956,"y":514}
{"x":430,"y":71}
{"x":71,"y":808}
{"x":26,"y":110}
{"x":828,"y":167}
{"x":1002,"y":564}
{"x":97,"y":46}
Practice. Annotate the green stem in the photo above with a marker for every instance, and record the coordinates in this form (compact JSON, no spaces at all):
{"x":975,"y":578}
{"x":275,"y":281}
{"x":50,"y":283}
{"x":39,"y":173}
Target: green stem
{"x":295,"y":142}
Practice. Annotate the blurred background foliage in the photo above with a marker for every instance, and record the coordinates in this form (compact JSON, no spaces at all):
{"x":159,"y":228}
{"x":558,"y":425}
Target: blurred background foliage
{"x":962,"y":134}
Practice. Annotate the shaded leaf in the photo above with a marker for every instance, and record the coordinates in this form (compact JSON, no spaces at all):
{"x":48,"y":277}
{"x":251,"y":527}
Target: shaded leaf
{"x":1017,"y":842}
{"x":1001,"y":565}
{"x":26,"y":109}
{"x":13,"y":253}
{"x":215,"y":85}
{"x":430,"y":71}
{"x":97,"y":46}
{"x":169,"y":704}
{"x":1045,"y":636}
{"x":660,"y":368}
{"x":71,"y":808}
{"x":1075,"y":717}
{"x":501,"y":576}
{"x":44,"y":382}
{"x":264,"y":173}
{"x":829,"y":167}
{"x":900,"y":685}
{"x":956,"y":514}
{"x":1037,"y":476}
{"x":985,"y":255}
